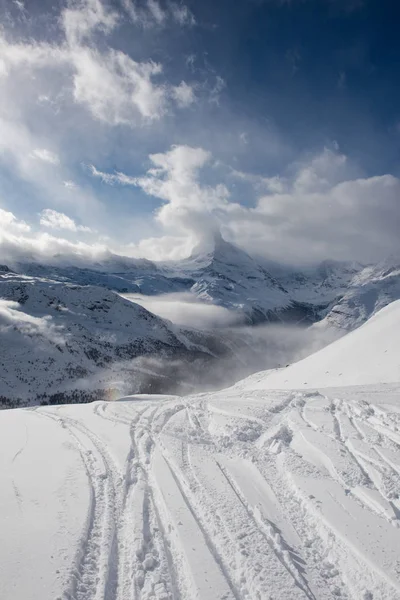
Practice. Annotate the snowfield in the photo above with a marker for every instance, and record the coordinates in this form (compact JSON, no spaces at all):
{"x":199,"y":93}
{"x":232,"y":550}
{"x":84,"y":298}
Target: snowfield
{"x":263,"y":491}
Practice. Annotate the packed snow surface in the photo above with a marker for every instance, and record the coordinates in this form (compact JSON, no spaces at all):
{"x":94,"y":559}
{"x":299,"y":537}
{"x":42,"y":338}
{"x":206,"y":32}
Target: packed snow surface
{"x":249,"y":493}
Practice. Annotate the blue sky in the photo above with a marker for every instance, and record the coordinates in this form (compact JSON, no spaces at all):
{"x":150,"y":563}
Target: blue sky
{"x":142,"y":126}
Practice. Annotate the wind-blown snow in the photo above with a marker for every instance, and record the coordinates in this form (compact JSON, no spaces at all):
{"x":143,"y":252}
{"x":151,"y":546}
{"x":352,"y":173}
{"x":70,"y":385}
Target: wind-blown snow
{"x":249,"y":493}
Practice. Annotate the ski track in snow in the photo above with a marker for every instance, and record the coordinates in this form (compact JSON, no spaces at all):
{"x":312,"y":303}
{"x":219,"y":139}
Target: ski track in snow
{"x":277,"y":495}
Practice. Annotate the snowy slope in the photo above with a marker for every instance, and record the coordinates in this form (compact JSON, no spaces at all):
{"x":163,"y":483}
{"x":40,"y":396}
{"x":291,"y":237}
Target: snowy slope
{"x":368,"y":355}
{"x":243,"y":495}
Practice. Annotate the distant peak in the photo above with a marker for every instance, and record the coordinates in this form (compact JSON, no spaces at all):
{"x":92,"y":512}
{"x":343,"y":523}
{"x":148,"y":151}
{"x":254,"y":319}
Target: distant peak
{"x":211,"y":244}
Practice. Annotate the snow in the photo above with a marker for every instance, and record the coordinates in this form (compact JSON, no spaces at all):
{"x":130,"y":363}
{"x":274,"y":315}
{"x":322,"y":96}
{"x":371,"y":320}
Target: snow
{"x":367,"y":355}
{"x":247,"y":493}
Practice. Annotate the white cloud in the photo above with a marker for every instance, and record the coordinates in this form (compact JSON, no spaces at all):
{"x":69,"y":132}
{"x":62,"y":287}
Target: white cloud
{"x":70,"y":185}
{"x":156,"y":11}
{"x":181,"y":14}
{"x":323,"y":210}
{"x":185,"y":309}
{"x":188,"y":207}
{"x":113,"y":178}
{"x":190,"y":213}
{"x":46,"y":156}
{"x":117,"y":89}
{"x":216,"y":90}
{"x":151,"y":13}
{"x":20,"y":5}
{"x":55,"y":94}
{"x":82,"y":19}
{"x":55,"y":220}
{"x":109,"y":83}
{"x":175,"y":178}
{"x":44,"y":247}
{"x":10,"y":222}
{"x":17,"y":153}
{"x":13,"y":317}
{"x":183,"y":94}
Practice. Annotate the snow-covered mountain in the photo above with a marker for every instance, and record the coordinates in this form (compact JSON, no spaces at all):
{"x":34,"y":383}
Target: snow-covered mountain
{"x":370,"y":289}
{"x":245,"y":494}
{"x":63,"y":342}
{"x":66,"y":332}
{"x":229,"y":277}
{"x":224,"y":275}
{"x":320,"y":284}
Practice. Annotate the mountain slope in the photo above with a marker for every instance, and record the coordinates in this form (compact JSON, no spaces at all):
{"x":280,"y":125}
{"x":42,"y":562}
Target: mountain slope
{"x":368,"y":291}
{"x":320,"y":284}
{"x":243,"y":494}
{"x":367,"y":355}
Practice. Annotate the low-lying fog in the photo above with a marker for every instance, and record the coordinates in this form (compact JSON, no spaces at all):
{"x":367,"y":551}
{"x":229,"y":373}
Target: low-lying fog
{"x":186,"y":310}
{"x":249,"y":348}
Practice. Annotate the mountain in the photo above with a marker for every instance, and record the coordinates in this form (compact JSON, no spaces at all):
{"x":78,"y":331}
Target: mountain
{"x":319,"y":284}
{"x":68,"y":333}
{"x":229,"y":277}
{"x":63,"y":342}
{"x":224,"y":275}
{"x":247,"y":493}
{"x":369,"y":290}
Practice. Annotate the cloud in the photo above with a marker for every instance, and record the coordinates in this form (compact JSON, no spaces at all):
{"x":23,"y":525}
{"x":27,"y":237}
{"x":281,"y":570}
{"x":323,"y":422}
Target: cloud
{"x":113,"y":86}
{"x":55,"y":220}
{"x":56,"y":93}
{"x":47,"y":248}
{"x":216,"y":90}
{"x":151,"y":13}
{"x":186,"y":310}
{"x":110,"y":84}
{"x":79,"y":21}
{"x":20,"y":242}
{"x":10,"y":222}
{"x":113,"y":178}
{"x":116,"y":89}
{"x":324,"y":208}
{"x":70,"y":185}
{"x":13,"y":318}
{"x":46,"y":156}
{"x":183,"y":94}
{"x":190,"y":209}
{"x":24,"y":155}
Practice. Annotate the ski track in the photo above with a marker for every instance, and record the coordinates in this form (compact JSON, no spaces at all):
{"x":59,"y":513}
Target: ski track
{"x":221,"y":500}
